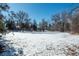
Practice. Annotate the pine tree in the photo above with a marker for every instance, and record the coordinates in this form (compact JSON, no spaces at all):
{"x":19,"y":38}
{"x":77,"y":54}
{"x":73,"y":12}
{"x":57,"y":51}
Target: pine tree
{"x":34,"y":25}
{"x":1,"y":26}
{"x":3,"y":7}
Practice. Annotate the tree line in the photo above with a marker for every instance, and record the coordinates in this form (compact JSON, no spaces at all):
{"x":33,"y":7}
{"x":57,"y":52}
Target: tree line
{"x":66,"y":21}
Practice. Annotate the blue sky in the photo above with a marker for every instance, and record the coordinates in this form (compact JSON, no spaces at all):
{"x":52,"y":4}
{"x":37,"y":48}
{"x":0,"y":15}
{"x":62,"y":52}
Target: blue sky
{"x":39,"y":11}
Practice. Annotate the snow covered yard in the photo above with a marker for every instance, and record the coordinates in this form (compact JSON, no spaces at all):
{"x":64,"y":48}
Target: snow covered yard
{"x":41,"y":44}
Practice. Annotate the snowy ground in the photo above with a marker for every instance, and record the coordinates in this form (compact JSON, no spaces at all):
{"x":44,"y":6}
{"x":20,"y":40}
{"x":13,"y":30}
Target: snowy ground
{"x":41,"y":44}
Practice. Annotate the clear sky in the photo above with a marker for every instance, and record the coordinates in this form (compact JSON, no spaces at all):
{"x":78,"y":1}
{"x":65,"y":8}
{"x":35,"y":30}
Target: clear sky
{"x":39,"y":11}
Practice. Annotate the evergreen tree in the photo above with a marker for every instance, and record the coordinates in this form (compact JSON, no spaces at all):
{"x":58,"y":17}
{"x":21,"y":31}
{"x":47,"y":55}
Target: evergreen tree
{"x":10,"y":25}
{"x":1,"y":26}
{"x":43,"y":25}
{"x":3,"y":7}
{"x":34,"y":25}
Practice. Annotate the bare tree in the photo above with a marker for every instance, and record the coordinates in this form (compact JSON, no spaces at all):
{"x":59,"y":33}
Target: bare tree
{"x":23,"y":19}
{"x":56,"y":22}
{"x":66,"y":21}
{"x":75,"y":20}
{"x":60,"y":22}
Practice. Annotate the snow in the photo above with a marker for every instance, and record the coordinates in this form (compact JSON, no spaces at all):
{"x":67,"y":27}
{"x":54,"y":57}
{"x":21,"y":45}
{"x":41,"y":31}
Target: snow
{"x":41,"y":44}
